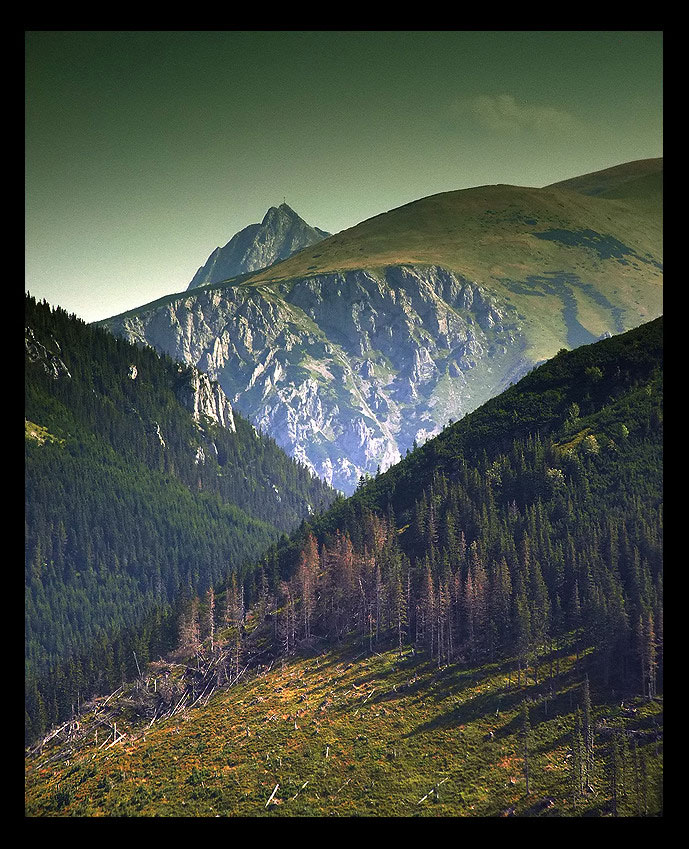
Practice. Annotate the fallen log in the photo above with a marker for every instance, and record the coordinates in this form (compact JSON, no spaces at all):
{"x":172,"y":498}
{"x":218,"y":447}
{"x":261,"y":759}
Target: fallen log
{"x":275,"y":790}
{"x":433,"y":790}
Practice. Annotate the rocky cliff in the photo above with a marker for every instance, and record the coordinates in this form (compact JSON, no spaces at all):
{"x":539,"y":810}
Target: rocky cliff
{"x":349,"y":352}
{"x":204,"y":398}
{"x":49,"y":358}
{"x":281,"y":233}
{"x":345,"y":371}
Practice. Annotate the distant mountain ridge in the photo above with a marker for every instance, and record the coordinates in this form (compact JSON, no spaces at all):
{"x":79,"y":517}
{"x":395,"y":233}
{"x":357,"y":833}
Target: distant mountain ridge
{"x":620,"y":180}
{"x":349,"y":352}
{"x":281,"y":234}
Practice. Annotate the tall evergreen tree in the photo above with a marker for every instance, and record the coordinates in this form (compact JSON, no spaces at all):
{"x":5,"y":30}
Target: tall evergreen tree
{"x":526,"y":745}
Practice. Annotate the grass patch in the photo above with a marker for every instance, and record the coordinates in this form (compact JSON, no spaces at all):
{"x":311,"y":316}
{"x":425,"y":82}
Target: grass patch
{"x":345,"y":734}
{"x":40,"y":434}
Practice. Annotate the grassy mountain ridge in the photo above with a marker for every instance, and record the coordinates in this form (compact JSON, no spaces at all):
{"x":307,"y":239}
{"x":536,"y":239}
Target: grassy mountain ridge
{"x":510,"y":238}
{"x":631,"y":180}
{"x":419,"y":314}
{"x":503,"y":236}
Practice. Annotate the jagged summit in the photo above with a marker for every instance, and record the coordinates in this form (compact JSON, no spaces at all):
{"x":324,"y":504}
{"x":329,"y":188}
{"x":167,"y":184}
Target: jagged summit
{"x":276,"y":213}
{"x":281,"y":233}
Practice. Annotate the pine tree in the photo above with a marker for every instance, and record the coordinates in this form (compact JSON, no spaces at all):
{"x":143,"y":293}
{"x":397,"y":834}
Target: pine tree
{"x":522,"y":628}
{"x":286,"y":618}
{"x":444,"y":623}
{"x":233,"y":618}
{"x":526,"y":744}
{"x":587,"y":730}
{"x":379,"y":589}
{"x":650,"y":662}
{"x":577,"y":761}
{"x":208,"y":632}
{"x":540,"y":612}
{"x":426,"y":614}
{"x":479,"y":602}
{"x":398,"y":605}
{"x":501,"y":598}
{"x":189,"y":641}
{"x":419,"y":522}
{"x":306,"y":577}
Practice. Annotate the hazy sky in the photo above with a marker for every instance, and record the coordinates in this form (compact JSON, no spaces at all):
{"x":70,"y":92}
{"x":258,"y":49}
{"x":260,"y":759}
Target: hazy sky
{"x":146,"y":150}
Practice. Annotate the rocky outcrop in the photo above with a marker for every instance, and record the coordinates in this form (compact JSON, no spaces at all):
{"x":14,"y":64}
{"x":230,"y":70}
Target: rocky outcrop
{"x":344,"y":370}
{"x":204,"y":399}
{"x":48,"y":357}
{"x":281,"y":233}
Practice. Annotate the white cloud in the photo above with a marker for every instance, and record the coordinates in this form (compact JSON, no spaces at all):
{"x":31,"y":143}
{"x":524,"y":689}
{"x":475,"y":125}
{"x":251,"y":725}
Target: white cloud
{"x":505,"y":114}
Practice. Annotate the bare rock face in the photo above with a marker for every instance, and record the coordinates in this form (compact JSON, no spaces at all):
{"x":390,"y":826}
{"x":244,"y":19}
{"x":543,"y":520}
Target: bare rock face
{"x":49,"y":358}
{"x":205,"y":399}
{"x":344,"y":370}
{"x":281,"y":233}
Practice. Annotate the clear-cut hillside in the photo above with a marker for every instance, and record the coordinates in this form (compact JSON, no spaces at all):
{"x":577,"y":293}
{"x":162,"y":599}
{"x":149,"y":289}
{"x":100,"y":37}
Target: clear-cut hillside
{"x":349,"y":351}
{"x":281,"y":233}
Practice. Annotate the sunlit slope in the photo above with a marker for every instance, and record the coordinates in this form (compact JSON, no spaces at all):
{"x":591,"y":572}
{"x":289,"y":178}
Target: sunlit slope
{"x":641,"y":179}
{"x":534,"y":247}
{"x":345,"y":735}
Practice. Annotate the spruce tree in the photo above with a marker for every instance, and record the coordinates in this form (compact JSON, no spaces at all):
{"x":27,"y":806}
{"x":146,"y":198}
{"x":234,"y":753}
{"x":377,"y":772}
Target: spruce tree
{"x":577,"y":761}
{"x":526,"y":745}
{"x":589,"y":746}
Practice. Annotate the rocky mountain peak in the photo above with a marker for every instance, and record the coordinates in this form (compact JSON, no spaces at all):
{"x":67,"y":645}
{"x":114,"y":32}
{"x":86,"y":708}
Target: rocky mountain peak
{"x":281,"y":233}
{"x":344,"y":370}
{"x":282,"y":212}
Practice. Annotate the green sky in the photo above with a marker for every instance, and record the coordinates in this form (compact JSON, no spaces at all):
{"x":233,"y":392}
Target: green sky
{"x":146,"y":150}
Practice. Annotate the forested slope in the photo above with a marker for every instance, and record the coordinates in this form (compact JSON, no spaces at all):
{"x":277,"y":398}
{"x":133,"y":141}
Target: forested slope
{"x":538,"y":512}
{"x":477,"y":632}
{"x":135,"y":493}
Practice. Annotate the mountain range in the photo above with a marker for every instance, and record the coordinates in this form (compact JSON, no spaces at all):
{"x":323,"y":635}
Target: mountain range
{"x":352,"y":350}
{"x":477,"y":630}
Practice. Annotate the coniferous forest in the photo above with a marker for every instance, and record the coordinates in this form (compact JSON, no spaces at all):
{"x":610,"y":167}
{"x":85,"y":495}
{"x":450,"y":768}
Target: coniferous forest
{"x":537,"y":515}
{"x":525,"y":535}
{"x":130,"y":505}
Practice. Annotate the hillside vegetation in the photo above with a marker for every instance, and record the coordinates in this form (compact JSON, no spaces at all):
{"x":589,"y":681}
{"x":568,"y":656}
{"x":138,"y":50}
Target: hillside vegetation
{"x":352,"y":734}
{"x":601,"y":234}
{"x":478,"y":631}
{"x":130,"y":501}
